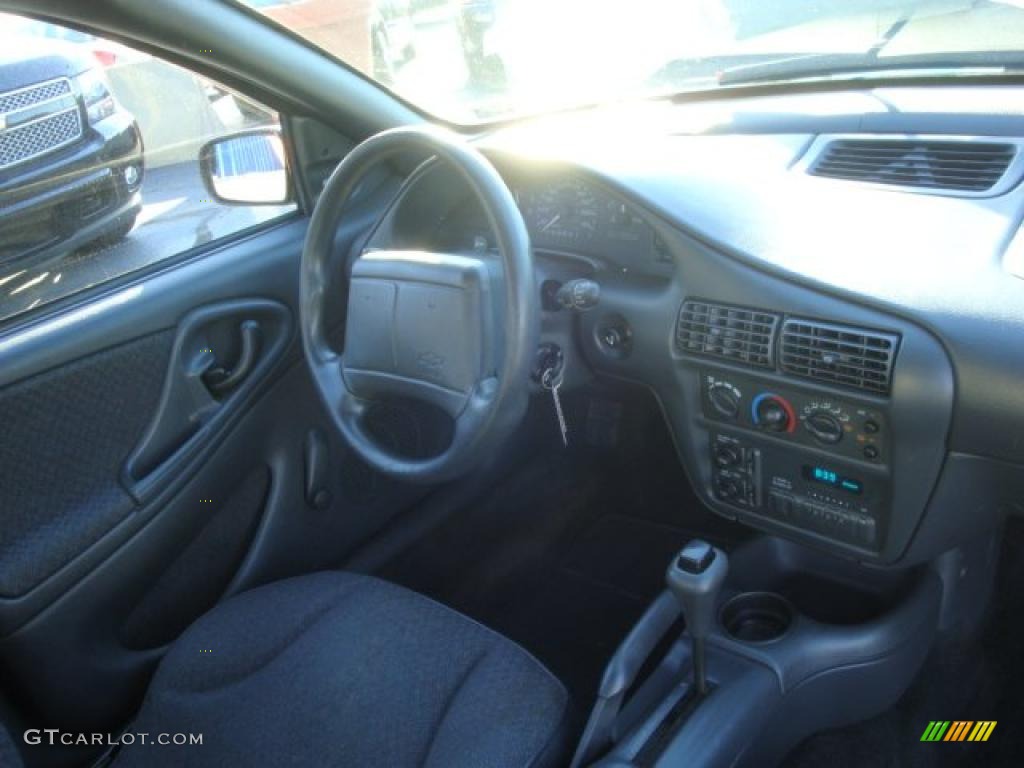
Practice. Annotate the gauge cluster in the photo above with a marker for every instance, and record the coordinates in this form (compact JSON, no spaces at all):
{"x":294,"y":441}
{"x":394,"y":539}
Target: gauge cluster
{"x":570,"y":214}
{"x":564,"y":214}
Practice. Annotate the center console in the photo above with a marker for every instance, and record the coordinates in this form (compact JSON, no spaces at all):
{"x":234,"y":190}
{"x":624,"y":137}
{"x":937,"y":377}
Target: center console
{"x":801,"y":415}
{"x":781,"y":641}
{"x":813,"y":462}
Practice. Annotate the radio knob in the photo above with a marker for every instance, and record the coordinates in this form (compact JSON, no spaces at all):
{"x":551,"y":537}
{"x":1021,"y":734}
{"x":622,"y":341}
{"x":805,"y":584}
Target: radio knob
{"x":825,"y":427}
{"x":773,"y":415}
{"x":724,"y":400}
{"x":728,"y":456}
{"x":728,"y":488}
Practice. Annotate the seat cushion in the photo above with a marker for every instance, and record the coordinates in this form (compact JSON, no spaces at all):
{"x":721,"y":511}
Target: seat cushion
{"x":338,"y":669}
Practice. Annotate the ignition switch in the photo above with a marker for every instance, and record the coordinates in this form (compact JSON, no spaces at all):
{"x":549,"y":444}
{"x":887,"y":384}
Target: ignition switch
{"x":549,"y":357}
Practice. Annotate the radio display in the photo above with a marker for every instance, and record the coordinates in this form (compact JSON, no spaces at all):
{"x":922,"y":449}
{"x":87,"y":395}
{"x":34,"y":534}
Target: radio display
{"x":826,"y":476}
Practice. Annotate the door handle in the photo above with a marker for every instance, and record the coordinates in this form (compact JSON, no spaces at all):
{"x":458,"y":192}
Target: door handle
{"x":221,"y":381}
{"x":201,"y":394}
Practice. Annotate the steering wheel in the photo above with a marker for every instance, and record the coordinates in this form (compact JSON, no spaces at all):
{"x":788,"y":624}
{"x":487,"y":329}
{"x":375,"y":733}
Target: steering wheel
{"x":454,"y":331}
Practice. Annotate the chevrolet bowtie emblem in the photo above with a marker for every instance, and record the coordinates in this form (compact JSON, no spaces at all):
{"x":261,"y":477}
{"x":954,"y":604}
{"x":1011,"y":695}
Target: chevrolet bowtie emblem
{"x":430,"y":361}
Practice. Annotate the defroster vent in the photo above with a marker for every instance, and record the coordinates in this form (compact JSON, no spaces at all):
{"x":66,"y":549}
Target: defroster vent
{"x":963,"y":166}
{"x":732,"y":333}
{"x":837,"y":354}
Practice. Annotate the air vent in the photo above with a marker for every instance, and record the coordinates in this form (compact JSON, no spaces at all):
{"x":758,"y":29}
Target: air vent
{"x":965,"y":166}
{"x":850,"y":357}
{"x":741,"y":335}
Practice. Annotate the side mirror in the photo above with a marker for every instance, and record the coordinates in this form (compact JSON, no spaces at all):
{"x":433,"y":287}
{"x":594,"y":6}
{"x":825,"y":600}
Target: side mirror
{"x":247,"y":168}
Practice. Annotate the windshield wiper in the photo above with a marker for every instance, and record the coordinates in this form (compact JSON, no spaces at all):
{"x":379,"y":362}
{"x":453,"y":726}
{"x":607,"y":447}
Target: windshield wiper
{"x":790,"y":67}
{"x":838,"y":65}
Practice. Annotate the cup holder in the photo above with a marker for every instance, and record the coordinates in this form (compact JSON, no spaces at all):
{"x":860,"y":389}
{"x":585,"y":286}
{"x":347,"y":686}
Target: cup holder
{"x":757,"y":617}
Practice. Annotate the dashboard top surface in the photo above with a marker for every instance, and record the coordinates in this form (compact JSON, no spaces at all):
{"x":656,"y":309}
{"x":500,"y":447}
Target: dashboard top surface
{"x":746,"y":193}
{"x":730,"y":177}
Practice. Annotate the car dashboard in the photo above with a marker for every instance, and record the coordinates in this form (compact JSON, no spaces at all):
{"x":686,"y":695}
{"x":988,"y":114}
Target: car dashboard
{"x":829,"y":347}
{"x":568,"y":215}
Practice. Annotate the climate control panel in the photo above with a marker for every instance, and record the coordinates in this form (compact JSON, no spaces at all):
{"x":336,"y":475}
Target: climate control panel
{"x":839,"y":426}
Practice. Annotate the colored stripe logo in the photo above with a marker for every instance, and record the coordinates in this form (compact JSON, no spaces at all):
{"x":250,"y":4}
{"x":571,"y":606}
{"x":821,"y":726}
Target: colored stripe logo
{"x":958,"y":730}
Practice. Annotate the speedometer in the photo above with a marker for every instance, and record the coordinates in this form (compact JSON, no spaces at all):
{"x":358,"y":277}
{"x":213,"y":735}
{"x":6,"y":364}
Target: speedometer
{"x":564,"y":213}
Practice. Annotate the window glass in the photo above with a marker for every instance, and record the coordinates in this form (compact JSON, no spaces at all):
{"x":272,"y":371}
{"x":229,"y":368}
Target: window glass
{"x":99,"y":161}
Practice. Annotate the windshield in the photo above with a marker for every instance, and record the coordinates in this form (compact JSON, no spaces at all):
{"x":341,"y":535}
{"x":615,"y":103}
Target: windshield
{"x":470,"y":61}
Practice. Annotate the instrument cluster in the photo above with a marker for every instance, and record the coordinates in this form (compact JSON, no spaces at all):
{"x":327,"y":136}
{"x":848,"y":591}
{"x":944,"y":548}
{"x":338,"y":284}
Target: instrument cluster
{"x":565,"y":215}
{"x":570,"y":214}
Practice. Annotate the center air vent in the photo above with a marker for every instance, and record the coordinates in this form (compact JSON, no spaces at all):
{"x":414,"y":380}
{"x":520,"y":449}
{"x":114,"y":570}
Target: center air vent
{"x":741,"y":335}
{"x":836,"y":354}
{"x":965,"y":166}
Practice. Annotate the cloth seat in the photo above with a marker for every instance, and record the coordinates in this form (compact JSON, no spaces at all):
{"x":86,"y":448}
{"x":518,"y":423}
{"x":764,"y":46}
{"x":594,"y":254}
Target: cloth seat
{"x":339,"y":669}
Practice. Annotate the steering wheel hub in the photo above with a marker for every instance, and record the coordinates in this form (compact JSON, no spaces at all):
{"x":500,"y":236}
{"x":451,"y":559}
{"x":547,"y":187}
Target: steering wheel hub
{"x":416,"y":328}
{"x":456,"y":331}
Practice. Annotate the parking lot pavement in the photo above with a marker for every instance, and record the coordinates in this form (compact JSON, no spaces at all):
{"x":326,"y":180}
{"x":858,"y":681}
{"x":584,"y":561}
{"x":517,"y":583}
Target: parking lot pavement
{"x":176,"y":215}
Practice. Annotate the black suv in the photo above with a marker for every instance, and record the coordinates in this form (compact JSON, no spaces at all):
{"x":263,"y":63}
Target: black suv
{"x":70,"y":156}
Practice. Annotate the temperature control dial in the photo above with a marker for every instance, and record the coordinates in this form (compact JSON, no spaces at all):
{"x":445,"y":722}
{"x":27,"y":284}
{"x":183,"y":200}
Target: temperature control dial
{"x":772,"y":413}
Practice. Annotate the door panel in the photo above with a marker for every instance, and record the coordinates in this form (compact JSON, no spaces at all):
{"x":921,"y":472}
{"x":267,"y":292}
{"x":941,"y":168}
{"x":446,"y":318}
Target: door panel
{"x":107,"y":328}
{"x":66,"y":433}
{"x":128,"y":556}
{"x":201,"y":572}
{"x":73,"y":661}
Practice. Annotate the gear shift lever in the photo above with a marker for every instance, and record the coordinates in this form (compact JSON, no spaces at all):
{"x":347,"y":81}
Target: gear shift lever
{"x":695,"y":576}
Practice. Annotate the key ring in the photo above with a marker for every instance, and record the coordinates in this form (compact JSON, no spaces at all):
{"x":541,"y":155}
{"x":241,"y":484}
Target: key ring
{"x":548,"y":381}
